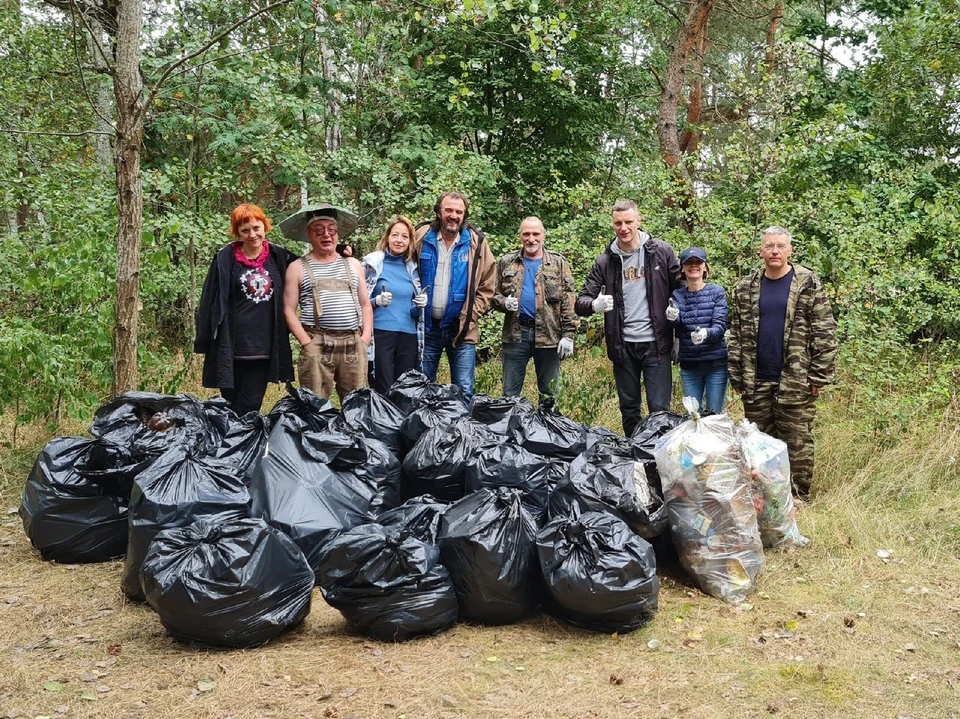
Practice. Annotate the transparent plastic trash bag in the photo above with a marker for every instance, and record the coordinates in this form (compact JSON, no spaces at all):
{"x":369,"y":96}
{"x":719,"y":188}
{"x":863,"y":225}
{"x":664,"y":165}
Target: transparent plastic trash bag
{"x":712,"y":519}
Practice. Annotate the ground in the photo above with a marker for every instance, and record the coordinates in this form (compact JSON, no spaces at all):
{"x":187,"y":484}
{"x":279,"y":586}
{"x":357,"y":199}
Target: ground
{"x":862,"y":623}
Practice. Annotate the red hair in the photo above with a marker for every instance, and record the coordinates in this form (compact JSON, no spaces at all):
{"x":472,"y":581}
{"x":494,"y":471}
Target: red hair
{"x":242,"y":214}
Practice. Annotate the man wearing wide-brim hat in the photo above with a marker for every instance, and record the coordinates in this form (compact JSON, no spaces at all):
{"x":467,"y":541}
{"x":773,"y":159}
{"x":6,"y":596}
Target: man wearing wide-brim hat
{"x":335,"y":320}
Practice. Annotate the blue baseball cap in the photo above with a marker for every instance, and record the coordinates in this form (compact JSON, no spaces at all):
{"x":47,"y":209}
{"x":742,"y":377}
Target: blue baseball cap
{"x":692,"y":253}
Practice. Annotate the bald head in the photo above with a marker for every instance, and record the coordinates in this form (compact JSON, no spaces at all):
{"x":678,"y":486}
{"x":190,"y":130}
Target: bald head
{"x":532,"y":235}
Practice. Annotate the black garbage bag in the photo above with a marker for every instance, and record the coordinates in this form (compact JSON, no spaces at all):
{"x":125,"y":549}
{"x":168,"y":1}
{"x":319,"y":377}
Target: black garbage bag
{"x":548,"y":433}
{"x":597,"y":434}
{"x":149,"y":424}
{"x":219,"y":414}
{"x":236,"y":583}
{"x":314,"y":485}
{"x":246,"y":439}
{"x":318,"y":413}
{"x":653,"y":427}
{"x":497,"y":412}
{"x":556,"y":473}
{"x":488,"y":543}
{"x":507,"y":465}
{"x":437,"y":464}
{"x":177,"y":490}
{"x":599,"y":575}
{"x":390,"y":586}
{"x":412,"y":389}
{"x":435,"y":412}
{"x":373,"y":415}
{"x":418,"y":516}
{"x":73,"y":517}
{"x":614,"y":476}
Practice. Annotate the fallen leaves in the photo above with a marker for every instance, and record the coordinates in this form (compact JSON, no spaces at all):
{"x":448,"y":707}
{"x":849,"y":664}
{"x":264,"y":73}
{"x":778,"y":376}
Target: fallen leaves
{"x":206,"y":684}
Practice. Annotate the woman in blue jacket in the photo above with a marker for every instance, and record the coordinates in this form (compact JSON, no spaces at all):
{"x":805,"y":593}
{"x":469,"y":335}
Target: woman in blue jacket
{"x":398,"y":301}
{"x":698,"y":313}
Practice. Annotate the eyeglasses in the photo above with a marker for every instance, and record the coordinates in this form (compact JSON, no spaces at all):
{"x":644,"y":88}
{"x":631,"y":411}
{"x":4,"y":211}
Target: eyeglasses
{"x":321,"y":231}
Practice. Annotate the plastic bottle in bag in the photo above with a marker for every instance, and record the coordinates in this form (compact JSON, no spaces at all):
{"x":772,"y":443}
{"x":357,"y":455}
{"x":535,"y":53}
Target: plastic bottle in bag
{"x":767,"y":464}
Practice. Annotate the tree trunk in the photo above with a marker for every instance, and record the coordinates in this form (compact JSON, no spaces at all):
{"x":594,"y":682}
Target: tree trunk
{"x":691,"y":35}
{"x":103,"y":99}
{"x":129,"y":136}
{"x":776,"y":15}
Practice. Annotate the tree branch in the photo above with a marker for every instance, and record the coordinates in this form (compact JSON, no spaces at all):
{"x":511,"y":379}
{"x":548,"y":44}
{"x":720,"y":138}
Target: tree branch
{"x":55,"y":134}
{"x":668,"y":10}
{"x":76,"y":10}
{"x":656,"y":76}
{"x":206,"y":46}
{"x":83,"y":81}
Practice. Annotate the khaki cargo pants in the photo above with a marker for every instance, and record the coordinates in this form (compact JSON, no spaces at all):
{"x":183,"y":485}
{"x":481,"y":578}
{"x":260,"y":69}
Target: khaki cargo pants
{"x":333,"y":357}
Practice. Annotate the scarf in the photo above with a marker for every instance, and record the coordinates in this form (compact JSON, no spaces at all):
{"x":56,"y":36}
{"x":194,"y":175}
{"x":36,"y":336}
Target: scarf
{"x":258,"y":262}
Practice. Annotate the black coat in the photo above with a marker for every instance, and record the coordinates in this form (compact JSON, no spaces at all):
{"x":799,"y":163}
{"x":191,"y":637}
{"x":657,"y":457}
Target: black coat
{"x":214,"y":321}
{"x":661,"y":268}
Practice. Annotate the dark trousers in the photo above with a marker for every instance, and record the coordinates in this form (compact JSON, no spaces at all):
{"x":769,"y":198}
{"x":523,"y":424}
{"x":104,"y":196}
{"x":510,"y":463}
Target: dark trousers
{"x":249,"y":385}
{"x":642,"y":362}
{"x":393,"y":354}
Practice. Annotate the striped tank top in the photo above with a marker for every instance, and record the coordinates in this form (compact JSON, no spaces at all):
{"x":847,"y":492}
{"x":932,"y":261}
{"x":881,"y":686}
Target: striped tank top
{"x":337,"y":290}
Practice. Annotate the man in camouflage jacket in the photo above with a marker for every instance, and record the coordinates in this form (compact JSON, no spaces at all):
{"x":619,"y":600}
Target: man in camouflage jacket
{"x":536,"y":293}
{"x":782,"y":350}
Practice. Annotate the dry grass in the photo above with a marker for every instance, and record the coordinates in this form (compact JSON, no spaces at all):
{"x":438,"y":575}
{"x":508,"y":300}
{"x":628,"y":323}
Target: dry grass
{"x":834,"y":631}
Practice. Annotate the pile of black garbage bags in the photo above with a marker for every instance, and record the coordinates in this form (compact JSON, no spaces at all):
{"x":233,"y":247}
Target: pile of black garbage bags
{"x":409,"y":512}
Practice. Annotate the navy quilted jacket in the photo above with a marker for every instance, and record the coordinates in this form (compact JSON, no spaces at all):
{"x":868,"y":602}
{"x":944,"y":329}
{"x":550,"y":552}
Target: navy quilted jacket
{"x":706,"y":308}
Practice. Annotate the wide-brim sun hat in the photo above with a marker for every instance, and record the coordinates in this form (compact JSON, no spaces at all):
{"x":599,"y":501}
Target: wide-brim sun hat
{"x":295,"y":226}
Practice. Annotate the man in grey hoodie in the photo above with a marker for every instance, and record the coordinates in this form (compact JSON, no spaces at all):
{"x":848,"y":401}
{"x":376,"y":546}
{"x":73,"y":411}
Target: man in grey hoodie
{"x":630,"y":283}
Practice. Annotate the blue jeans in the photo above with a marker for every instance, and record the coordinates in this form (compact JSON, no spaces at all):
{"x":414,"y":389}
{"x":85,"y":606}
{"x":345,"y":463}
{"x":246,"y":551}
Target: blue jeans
{"x":711,"y":383}
{"x":516,"y":356}
{"x":462,"y":359}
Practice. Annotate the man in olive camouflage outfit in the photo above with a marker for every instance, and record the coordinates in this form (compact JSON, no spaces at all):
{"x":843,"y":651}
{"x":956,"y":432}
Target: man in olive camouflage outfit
{"x":782,"y":350}
{"x":535,"y":291}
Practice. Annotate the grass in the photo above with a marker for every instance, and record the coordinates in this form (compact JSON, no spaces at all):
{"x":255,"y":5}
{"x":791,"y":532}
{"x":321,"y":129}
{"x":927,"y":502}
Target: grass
{"x":833,"y":631}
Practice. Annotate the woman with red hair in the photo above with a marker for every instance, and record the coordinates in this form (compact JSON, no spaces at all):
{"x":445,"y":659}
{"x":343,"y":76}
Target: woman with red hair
{"x":240,"y":325}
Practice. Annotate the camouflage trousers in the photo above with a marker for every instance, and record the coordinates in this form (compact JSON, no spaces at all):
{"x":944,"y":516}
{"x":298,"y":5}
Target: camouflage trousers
{"x":792,"y":423}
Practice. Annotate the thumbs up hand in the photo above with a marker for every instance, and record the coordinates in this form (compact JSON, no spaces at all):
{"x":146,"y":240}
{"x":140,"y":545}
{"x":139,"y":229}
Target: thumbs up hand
{"x":672,"y":312}
{"x":384,"y":298}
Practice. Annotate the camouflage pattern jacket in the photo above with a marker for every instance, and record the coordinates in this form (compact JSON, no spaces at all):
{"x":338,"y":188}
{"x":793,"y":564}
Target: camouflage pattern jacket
{"x":555,"y":318}
{"x":809,"y":337}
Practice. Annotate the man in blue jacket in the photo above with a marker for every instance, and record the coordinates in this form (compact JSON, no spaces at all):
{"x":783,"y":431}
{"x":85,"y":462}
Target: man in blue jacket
{"x":459,"y":272}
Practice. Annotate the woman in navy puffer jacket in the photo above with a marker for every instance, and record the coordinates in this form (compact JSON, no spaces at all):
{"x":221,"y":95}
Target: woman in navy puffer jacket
{"x":698,"y":313}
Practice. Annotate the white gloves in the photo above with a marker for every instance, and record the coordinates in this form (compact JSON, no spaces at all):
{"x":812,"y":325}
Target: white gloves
{"x":565,"y":348}
{"x":698,"y":335}
{"x":511,"y":303}
{"x":672,"y":312}
{"x":420,"y":301}
{"x":384,"y":299}
{"x":603,"y":303}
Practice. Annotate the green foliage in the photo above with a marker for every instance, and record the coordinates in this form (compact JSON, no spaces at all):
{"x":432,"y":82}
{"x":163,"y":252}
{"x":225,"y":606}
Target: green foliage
{"x":543,"y":108}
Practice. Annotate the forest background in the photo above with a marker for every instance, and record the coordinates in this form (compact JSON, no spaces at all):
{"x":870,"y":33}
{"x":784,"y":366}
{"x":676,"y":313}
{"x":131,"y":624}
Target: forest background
{"x":131,"y":130}
{"x":836,"y":119}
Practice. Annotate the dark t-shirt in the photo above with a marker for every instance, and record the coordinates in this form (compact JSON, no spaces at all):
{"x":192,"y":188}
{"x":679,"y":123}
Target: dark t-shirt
{"x":773,"y":314}
{"x":252,"y":295}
